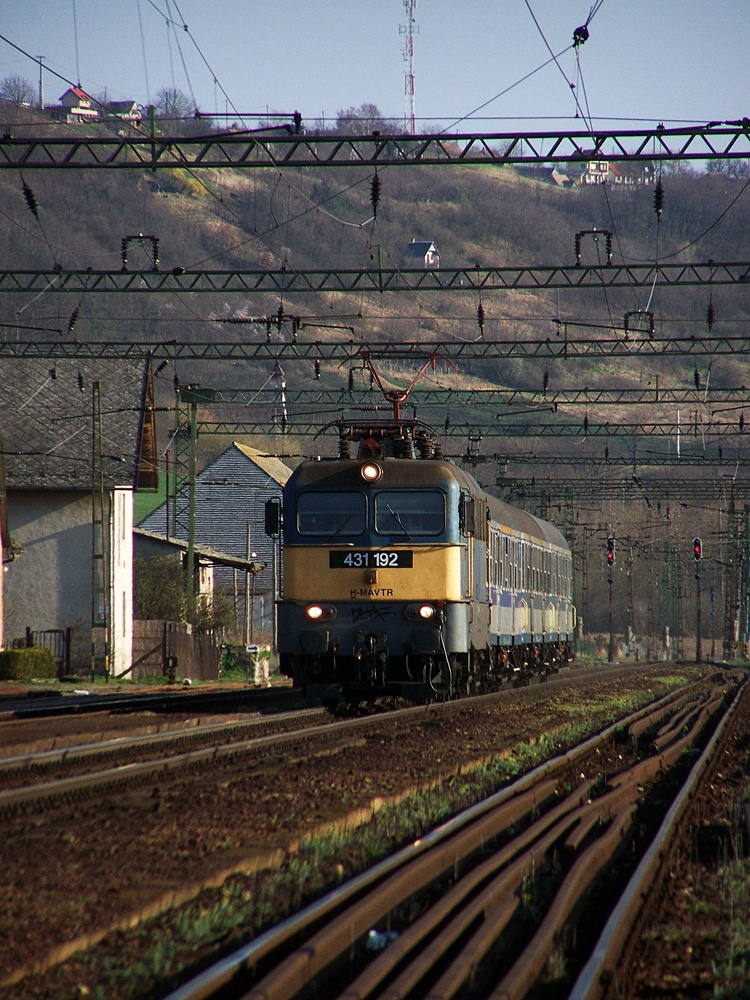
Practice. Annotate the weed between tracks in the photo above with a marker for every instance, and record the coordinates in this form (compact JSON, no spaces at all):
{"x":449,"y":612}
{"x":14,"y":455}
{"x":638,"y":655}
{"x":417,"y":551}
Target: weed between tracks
{"x":156,"y":956}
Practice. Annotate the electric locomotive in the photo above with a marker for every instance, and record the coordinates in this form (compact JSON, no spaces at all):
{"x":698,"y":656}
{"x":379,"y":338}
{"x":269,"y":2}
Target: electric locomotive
{"x":402,"y":576}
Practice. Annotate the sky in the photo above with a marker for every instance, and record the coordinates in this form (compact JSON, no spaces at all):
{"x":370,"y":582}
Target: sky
{"x":645,"y":61}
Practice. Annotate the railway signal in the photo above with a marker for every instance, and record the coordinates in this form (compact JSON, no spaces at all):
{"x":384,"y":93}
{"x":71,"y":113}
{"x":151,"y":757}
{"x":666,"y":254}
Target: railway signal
{"x":610,"y":551}
{"x":697,"y":555}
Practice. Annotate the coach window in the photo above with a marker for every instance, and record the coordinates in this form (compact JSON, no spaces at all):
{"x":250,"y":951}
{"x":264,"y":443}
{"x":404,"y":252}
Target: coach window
{"x":337,"y":515}
{"x":410,"y":512}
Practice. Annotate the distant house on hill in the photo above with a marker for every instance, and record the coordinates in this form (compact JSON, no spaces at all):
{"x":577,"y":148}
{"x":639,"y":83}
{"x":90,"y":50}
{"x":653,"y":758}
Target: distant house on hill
{"x":421,"y":253}
{"x":618,"y":175}
{"x":126,"y":111}
{"x":77,"y":439}
{"x":75,"y":106}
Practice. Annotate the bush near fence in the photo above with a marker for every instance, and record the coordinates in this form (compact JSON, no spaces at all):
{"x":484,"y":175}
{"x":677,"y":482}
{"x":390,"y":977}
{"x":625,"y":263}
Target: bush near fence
{"x":31,"y":663}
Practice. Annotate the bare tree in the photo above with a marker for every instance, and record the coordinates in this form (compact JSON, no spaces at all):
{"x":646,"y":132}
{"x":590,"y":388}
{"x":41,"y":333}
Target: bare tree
{"x":178,"y":115}
{"x":17,"y":90}
{"x":364,"y":120}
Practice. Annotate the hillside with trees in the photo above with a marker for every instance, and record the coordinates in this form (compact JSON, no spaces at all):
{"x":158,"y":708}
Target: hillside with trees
{"x":308,"y":219}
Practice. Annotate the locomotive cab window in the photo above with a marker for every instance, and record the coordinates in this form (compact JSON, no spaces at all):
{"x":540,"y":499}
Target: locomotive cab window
{"x":410,"y":513}
{"x":331,"y":513}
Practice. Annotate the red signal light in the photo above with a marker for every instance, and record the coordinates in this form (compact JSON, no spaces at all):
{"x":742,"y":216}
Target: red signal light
{"x":697,"y":549}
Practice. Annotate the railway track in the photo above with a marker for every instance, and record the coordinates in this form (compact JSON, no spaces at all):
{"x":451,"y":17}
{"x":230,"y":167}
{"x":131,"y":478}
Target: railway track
{"x":499,"y":897}
{"x":145,"y":752}
{"x":45,"y":705}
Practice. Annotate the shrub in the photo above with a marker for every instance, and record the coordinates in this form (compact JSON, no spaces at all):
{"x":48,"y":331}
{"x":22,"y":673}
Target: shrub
{"x":31,"y":663}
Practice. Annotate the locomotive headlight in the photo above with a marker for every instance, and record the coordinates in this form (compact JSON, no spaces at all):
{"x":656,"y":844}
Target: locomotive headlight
{"x":320,"y":612}
{"x":420,"y":612}
{"x":371,"y":472}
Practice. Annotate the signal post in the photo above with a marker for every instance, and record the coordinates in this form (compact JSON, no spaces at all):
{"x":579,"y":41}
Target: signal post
{"x":697,"y":555}
{"x":610,"y":565}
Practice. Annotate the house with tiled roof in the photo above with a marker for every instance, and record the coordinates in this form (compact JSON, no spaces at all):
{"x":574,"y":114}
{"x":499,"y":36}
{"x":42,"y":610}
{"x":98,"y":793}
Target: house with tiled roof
{"x":77,"y":105}
{"x":77,"y":438}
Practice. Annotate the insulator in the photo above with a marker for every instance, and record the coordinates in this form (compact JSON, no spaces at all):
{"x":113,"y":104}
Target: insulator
{"x":30,"y":199}
{"x":375,"y":193}
{"x":80,"y":382}
{"x":545,"y":382}
{"x":697,"y":378}
{"x":317,"y":369}
{"x":606,"y":453}
{"x":721,"y":453}
{"x":580,"y":35}
{"x":73,"y":319}
{"x":480,"y":317}
{"x":586,"y":423}
{"x":53,"y":373}
{"x":160,"y":367}
{"x":742,"y":422}
{"x":710,"y":316}
{"x":297,"y":122}
{"x":658,"y":198}
{"x":351,"y":380}
{"x":176,"y":380}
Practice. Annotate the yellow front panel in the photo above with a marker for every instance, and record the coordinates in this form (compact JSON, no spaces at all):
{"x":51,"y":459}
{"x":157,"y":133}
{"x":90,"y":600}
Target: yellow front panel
{"x":434,"y":576}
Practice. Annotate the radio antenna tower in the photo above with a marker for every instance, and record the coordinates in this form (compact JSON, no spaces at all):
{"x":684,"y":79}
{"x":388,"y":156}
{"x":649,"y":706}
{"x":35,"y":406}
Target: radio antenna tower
{"x":409,"y":30}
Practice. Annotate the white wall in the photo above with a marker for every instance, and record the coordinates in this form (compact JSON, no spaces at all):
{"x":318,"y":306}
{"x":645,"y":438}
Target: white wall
{"x":121,"y":574}
{"x":48,"y":585}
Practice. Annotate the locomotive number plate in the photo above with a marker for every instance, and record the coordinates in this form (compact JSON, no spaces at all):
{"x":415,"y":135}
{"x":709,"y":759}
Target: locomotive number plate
{"x":371,"y":559}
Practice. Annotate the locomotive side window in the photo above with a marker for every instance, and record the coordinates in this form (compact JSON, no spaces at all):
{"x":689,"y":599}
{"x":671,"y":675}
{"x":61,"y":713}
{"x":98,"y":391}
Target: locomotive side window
{"x":410,"y":512}
{"x":330,"y":513}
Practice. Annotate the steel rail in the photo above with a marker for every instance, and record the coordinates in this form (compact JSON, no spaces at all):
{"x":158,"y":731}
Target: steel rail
{"x":230,"y":971}
{"x":715,"y":140}
{"x":108,"y":749}
{"x":20,"y":800}
{"x":601,"y":968}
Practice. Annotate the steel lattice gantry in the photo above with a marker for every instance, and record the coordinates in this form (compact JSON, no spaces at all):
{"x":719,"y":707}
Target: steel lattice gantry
{"x":558,"y":346}
{"x":666,"y":429}
{"x":467,"y":279}
{"x":548,"y":490}
{"x":447,"y":396}
{"x":715,"y":140}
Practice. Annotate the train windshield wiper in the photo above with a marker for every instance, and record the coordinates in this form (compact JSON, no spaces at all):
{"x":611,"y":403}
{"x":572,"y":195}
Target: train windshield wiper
{"x":340,"y":528}
{"x":398,"y":520}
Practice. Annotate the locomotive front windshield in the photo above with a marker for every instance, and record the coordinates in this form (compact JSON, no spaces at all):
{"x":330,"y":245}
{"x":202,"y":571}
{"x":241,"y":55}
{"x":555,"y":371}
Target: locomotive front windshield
{"x":337,"y":515}
{"x":410,"y":513}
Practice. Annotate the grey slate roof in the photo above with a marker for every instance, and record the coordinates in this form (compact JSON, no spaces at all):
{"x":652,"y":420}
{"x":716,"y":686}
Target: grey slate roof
{"x":231,"y":491}
{"x":46,"y":421}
